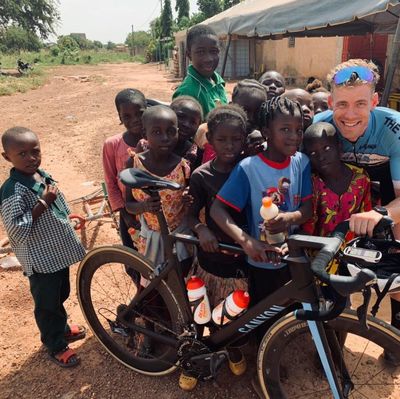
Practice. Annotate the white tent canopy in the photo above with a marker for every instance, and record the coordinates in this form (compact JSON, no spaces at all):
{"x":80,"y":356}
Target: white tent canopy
{"x":266,"y":18}
{"x":275,"y":19}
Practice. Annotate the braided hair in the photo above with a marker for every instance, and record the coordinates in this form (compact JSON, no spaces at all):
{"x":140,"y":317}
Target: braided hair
{"x":280,"y":104}
{"x":232,"y":113}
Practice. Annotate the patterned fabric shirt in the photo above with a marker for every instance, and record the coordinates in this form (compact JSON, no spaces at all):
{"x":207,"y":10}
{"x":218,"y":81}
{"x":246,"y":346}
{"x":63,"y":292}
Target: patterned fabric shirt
{"x":330,"y":209}
{"x":49,"y":243}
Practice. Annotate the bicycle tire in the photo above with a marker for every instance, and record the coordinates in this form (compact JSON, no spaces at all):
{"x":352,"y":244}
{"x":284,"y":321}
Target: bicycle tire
{"x":103,"y":281}
{"x":96,"y":193}
{"x":363,"y":349}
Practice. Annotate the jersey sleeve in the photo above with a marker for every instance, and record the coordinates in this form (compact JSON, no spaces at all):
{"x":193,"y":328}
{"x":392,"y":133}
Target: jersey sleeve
{"x":236,"y":190}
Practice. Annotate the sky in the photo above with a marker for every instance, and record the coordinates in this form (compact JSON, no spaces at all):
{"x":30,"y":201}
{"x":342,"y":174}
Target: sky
{"x":109,"y":20}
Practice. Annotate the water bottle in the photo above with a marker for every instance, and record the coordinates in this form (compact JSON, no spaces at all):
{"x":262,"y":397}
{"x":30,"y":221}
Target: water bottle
{"x":234,"y":304}
{"x":269,"y":211}
{"x":197,"y":294}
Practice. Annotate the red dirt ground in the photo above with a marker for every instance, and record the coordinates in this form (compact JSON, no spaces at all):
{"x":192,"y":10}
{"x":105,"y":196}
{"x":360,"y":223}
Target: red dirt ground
{"x":73,"y":113}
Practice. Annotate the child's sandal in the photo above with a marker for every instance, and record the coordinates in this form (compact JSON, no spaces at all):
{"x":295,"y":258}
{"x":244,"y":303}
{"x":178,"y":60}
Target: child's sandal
{"x":65,"y":358}
{"x":75,"y":333}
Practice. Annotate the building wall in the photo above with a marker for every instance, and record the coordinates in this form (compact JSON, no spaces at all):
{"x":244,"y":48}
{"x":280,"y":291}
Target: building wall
{"x":309,"y":57}
{"x":396,"y":78}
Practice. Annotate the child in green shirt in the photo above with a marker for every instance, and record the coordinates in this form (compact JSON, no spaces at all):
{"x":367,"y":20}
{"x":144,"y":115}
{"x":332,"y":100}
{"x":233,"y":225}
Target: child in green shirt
{"x":202,"y":82}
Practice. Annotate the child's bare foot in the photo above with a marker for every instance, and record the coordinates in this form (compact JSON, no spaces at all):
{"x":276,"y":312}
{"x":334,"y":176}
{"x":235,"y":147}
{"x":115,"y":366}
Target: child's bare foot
{"x":65,"y":358}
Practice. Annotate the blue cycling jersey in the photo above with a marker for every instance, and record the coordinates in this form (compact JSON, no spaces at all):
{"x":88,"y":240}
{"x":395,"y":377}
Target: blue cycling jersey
{"x":377,"y":150}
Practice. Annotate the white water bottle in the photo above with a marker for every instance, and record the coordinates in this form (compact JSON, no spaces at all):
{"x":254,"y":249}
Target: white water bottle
{"x":234,"y":304}
{"x":197,"y":294}
{"x":269,"y":211}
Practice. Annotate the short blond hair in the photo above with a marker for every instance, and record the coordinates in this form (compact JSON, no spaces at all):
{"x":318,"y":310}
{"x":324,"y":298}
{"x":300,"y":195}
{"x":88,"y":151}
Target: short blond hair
{"x":354,"y":62}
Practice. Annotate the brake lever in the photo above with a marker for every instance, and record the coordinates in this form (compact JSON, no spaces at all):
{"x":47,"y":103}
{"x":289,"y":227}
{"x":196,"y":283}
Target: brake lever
{"x":362,"y":310}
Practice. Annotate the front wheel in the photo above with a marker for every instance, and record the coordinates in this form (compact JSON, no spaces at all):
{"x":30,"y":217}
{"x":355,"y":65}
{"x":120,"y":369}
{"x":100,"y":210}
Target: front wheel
{"x":288,"y":365}
{"x":106,"y":284}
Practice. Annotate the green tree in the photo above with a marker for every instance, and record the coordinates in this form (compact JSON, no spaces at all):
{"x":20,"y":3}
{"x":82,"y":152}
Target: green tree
{"x":97,"y":44}
{"x":229,"y":3}
{"x":110,"y":46}
{"x":182,"y":7}
{"x":139,"y":38}
{"x":166,"y":19}
{"x":209,"y":7}
{"x":155,"y":28}
{"x":36,"y":16}
{"x":15,"y":38}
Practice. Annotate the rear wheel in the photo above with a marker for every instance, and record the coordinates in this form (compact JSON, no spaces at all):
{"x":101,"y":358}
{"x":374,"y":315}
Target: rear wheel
{"x":105,"y":286}
{"x":288,"y":364}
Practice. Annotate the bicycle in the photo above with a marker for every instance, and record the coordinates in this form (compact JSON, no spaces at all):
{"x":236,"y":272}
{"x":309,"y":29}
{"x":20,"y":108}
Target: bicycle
{"x":98,"y":199}
{"x":123,"y":317}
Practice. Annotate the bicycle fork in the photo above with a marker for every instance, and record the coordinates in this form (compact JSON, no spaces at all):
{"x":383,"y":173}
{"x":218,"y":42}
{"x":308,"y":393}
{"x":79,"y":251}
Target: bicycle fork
{"x":325,"y":348}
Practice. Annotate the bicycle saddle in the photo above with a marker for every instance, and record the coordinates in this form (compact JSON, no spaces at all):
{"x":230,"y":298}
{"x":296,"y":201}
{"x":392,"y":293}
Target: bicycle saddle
{"x":137,"y":178}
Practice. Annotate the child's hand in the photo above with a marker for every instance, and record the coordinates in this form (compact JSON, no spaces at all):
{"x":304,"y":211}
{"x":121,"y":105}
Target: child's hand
{"x":187,"y":199}
{"x":280,"y":224}
{"x":208,"y":241}
{"x":152,"y":205}
{"x":50,"y":194}
{"x":260,"y":251}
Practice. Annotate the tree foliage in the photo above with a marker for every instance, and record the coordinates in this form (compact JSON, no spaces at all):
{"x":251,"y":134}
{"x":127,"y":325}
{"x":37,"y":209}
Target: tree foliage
{"x":166,"y":19}
{"x":209,"y":7}
{"x":182,"y":7}
{"x":139,"y":38}
{"x":229,"y":3}
{"x":36,"y":16}
{"x":15,"y":38}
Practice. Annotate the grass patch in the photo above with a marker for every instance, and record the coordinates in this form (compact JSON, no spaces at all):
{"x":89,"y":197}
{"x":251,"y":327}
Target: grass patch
{"x":12,"y":84}
{"x":45,"y":58}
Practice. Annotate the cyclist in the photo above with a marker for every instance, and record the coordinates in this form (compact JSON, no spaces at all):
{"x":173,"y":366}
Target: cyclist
{"x":370,"y":137}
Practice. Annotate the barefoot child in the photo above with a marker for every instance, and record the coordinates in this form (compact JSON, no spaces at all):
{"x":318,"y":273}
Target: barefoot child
{"x":258,"y":176}
{"x":226,"y":133}
{"x":35,"y":216}
{"x":130,"y":104}
{"x":190,"y":114}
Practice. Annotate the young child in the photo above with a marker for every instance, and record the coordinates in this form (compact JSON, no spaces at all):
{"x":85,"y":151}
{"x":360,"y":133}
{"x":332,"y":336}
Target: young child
{"x":304,"y":99}
{"x":130,"y":104}
{"x":334,"y":199}
{"x":250,"y":94}
{"x":320,"y":101}
{"x":190,"y":114}
{"x":35,"y":216}
{"x":274,"y":84}
{"x":226,"y":133}
{"x":161,"y":131}
{"x":202,"y":82}
{"x":253,"y":178}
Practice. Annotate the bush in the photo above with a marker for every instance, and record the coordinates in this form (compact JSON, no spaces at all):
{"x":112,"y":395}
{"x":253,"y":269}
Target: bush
{"x":14,"y":39}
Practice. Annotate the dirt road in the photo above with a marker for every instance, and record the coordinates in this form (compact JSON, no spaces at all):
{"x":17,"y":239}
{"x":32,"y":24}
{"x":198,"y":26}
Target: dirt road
{"x":73,"y":114}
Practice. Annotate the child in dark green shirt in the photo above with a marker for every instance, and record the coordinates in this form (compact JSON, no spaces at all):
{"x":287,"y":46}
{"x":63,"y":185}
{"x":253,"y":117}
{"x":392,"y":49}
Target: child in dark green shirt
{"x":202,"y":82}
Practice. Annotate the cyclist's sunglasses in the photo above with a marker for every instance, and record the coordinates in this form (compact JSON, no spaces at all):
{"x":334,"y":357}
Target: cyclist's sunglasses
{"x":353,"y":72}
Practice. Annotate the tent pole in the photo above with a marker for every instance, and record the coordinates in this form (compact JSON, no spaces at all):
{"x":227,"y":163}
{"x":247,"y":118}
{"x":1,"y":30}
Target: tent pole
{"x":226,"y":55}
{"x":394,"y":60}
